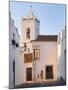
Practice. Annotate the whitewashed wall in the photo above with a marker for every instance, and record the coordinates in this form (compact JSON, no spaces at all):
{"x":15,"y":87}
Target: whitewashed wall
{"x":14,"y":54}
{"x":61,"y":55}
{"x":11,"y":52}
{"x":48,"y":56}
{"x":18,"y":68}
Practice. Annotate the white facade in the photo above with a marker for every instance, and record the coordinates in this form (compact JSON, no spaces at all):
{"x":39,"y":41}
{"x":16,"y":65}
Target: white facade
{"x":48,"y":57}
{"x":62,"y":55}
{"x":15,"y":75}
{"x":51,"y":58}
{"x":48,"y":50}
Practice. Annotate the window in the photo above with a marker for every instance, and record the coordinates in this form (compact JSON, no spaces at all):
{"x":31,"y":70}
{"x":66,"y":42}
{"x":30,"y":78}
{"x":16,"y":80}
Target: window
{"x":24,"y":44}
{"x":25,"y":47}
{"x":36,"y":54}
{"x":28,"y":33}
{"x":17,"y":45}
{"x":49,"y":72}
{"x":13,"y":42}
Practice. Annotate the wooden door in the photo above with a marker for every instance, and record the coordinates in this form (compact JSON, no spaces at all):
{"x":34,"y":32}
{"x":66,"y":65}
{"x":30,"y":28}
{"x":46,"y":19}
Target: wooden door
{"x":29,"y":74}
{"x":49,"y":72}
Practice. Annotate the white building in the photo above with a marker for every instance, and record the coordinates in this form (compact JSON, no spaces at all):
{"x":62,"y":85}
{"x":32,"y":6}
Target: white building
{"x":14,"y":55}
{"x":39,"y":57}
{"x":62,"y":55}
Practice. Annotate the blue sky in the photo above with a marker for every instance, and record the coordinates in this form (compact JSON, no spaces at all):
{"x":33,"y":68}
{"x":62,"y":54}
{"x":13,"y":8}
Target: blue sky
{"x":51,"y":16}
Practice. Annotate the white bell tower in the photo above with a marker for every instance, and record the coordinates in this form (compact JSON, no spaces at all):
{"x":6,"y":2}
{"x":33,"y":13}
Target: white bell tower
{"x":30,"y":26}
{"x":30,"y":31}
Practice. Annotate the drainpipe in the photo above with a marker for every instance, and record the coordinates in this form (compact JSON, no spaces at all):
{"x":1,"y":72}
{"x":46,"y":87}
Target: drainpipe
{"x":33,"y":62}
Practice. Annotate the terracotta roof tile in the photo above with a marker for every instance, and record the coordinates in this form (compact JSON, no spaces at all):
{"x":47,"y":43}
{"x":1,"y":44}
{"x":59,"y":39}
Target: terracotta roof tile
{"x":46,"y":38}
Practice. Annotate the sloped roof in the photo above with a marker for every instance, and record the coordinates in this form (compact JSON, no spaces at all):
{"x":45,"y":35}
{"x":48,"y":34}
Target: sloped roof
{"x":46,"y":38}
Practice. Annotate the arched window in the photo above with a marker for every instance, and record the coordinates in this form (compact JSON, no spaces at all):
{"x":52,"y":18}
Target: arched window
{"x":28,"y":33}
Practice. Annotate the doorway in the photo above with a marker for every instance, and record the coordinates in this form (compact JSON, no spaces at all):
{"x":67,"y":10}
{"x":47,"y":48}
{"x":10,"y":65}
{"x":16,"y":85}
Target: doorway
{"x":28,"y":74}
{"x":49,"y":72}
{"x":14,"y":72}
